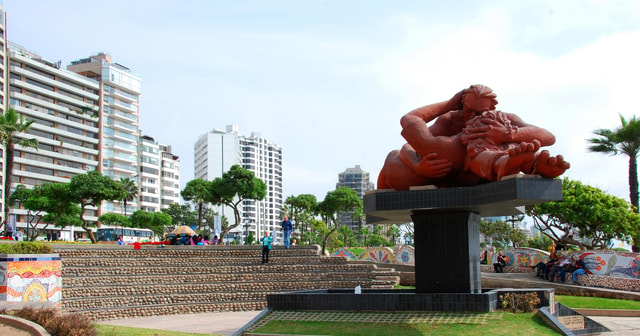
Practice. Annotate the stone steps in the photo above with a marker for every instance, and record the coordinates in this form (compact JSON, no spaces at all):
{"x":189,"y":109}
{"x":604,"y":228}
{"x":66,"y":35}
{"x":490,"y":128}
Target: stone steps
{"x":118,"y":281}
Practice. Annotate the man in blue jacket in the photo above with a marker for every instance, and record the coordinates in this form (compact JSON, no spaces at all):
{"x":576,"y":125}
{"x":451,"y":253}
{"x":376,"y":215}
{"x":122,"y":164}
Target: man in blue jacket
{"x":287,"y":227}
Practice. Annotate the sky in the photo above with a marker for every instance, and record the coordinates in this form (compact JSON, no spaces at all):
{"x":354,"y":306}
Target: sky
{"x":328,"y":81}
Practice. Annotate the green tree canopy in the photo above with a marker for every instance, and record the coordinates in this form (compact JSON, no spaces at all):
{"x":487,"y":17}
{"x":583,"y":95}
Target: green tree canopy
{"x":339,"y":200}
{"x":622,"y":140}
{"x":181,"y":214}
{"x":91,"y":189}
{"x":301,"y":208}
{"x":49,"y":203}
{"x":115,"y":220}
{"x":198,"y":192}
{"x":502,"y":233}
{"x":131,"y":191}
{"x":595,"y":215}
{"x":235,"y":186}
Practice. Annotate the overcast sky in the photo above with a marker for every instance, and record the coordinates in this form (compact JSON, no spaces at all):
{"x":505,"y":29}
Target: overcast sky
{"x":329,"y":80}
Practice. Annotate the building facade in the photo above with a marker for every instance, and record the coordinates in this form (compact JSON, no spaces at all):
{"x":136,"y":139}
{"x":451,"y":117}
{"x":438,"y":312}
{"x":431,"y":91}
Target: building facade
{"x":159,"y":176}
{"x":359,"y":181}
{"x":64,"y":108}
{"x":119,"y":120}
{"x":85,"y":118}
{"x":216,"y":151}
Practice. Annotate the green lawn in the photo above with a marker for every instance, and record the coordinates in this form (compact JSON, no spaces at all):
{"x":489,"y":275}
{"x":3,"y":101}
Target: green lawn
{"x":597,"y":303}
{"x":509,"y":324}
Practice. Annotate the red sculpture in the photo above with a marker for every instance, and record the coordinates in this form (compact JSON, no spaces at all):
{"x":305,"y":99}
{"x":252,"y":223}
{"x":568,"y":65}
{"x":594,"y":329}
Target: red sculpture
{"x":469,"y":143}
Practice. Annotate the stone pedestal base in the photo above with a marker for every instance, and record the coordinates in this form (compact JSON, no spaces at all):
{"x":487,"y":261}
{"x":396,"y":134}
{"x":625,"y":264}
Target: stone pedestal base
{"x":447,"y":251}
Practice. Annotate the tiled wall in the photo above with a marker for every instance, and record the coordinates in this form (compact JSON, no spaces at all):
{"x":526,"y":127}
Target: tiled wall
{"x":30,"y":277}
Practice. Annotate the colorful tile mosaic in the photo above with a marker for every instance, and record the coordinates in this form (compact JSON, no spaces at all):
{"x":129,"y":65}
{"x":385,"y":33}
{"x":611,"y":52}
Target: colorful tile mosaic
{"x":32,"y":278}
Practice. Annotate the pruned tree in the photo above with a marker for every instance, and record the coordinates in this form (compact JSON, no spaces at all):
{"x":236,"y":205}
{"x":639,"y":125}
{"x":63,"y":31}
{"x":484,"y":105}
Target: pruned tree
{"x":49,"y":203}
{"x":235,"y":186}
{"x":595,"y":215}
{"x":91,"y":189}
{"x":339,"y":200}
{"x":197,"y":191}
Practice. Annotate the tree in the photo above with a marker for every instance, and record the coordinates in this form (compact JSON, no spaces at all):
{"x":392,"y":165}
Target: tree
{"x":115,"y":220}
{"x":622,"y":140}
{"x":181,"y":214}
{"x":155,"y":221}
{"x":339,"y":200}
{"x":235,"y":186}
{"x":394,"y":233}
{"x":502,"y":233}
{"x":301,"y":209}
{"x":49,"y":203}
{"x":92,"y":189}
{"x":11,"y":124}
{"x":131,"y":191}
{"x":595,"y":215}
{"x":346,"y":234}
{"x":197,"y":191}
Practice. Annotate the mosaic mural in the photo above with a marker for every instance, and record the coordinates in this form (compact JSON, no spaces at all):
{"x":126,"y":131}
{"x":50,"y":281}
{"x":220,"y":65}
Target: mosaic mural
{"x":31,"y":278}
{"x":401,"y":254}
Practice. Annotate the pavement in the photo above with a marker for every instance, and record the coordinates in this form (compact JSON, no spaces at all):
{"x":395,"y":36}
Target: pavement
{"x":228,"y":323}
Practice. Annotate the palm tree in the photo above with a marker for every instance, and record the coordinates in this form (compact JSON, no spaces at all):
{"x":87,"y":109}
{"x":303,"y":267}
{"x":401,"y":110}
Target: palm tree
{"x":131,"y":191}
{"x":12,"y":124}
{"x":622,"y":140}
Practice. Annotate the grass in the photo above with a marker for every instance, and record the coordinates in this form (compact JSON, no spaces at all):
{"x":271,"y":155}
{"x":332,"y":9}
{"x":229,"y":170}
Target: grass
{"x":109,"y":330}
{"x":597,"y":303}
{"x":509,"y":324}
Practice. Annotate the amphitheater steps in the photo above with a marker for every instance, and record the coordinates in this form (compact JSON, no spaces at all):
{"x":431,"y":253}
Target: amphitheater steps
{"x":112,"y":282}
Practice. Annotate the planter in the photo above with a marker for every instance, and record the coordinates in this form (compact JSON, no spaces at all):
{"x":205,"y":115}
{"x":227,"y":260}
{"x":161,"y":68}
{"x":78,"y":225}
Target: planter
{"x":30,"y":278}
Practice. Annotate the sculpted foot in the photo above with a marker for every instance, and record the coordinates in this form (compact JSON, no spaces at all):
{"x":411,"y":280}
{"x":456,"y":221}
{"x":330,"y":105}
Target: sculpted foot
{"x":550,"y":166}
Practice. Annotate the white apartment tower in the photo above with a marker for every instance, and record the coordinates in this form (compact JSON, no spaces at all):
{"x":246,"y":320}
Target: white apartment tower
{"x":64,"y":107}
{"x":216,"y":151}
{"x":159,"y":176}
{"x":119,"y":93}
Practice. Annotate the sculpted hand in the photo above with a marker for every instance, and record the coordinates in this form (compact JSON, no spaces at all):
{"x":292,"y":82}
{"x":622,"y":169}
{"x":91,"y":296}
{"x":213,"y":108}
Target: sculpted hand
{"x":431,"y":167}
{"x":492,"y":129}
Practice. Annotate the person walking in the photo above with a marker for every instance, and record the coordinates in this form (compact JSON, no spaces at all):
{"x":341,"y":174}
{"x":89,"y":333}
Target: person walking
{"x":266,"y":246}
{"x":287,"y":227}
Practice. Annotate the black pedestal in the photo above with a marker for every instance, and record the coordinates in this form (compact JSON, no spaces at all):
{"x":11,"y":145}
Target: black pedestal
{"x":447,"y":251}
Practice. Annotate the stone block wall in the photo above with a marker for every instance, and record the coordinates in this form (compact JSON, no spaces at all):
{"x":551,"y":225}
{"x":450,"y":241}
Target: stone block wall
{"x":114,"y":282}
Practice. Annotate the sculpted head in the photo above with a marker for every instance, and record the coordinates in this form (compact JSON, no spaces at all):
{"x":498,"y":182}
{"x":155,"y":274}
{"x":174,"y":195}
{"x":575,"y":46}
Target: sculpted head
{"x":477,"y":99}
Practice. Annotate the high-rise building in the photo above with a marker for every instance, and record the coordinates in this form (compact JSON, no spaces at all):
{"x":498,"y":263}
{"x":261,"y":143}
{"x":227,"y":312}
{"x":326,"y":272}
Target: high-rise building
{"x":358,"y":180}
{"x":216,"y":151}
{"x":85,"y":117}
{"x":159,"y":176}
{"x":64,"y":108}
{"x":118,"y":123}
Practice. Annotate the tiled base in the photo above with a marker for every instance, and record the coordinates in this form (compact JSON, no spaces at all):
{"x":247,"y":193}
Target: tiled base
{"x":382,"y":300}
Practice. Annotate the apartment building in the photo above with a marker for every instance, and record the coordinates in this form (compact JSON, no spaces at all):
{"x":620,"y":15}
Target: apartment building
{"x":64,"y":108}
{"x":159,"y":175}
{"x":119,"y":93}
{"x":358,"y":180}
{"x":216,"y":151}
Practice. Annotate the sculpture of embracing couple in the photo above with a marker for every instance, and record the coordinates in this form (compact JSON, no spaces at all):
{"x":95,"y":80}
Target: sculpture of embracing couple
{"x":470,"y":142}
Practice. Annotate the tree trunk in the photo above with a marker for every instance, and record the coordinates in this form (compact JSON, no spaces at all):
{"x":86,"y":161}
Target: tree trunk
{"x":633,"y":192}
{"x":8,"y":176}
{"x":85,"y":227}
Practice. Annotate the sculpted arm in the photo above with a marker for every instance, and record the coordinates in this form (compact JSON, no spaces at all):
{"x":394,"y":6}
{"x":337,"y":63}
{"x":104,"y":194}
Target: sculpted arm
{"x":414,"y":123}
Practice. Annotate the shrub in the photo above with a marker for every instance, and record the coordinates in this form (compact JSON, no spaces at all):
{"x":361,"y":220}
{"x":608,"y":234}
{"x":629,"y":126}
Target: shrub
{"x":520,"y":303}
{"x":56,"y":323}
{"x":25,"y":248}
